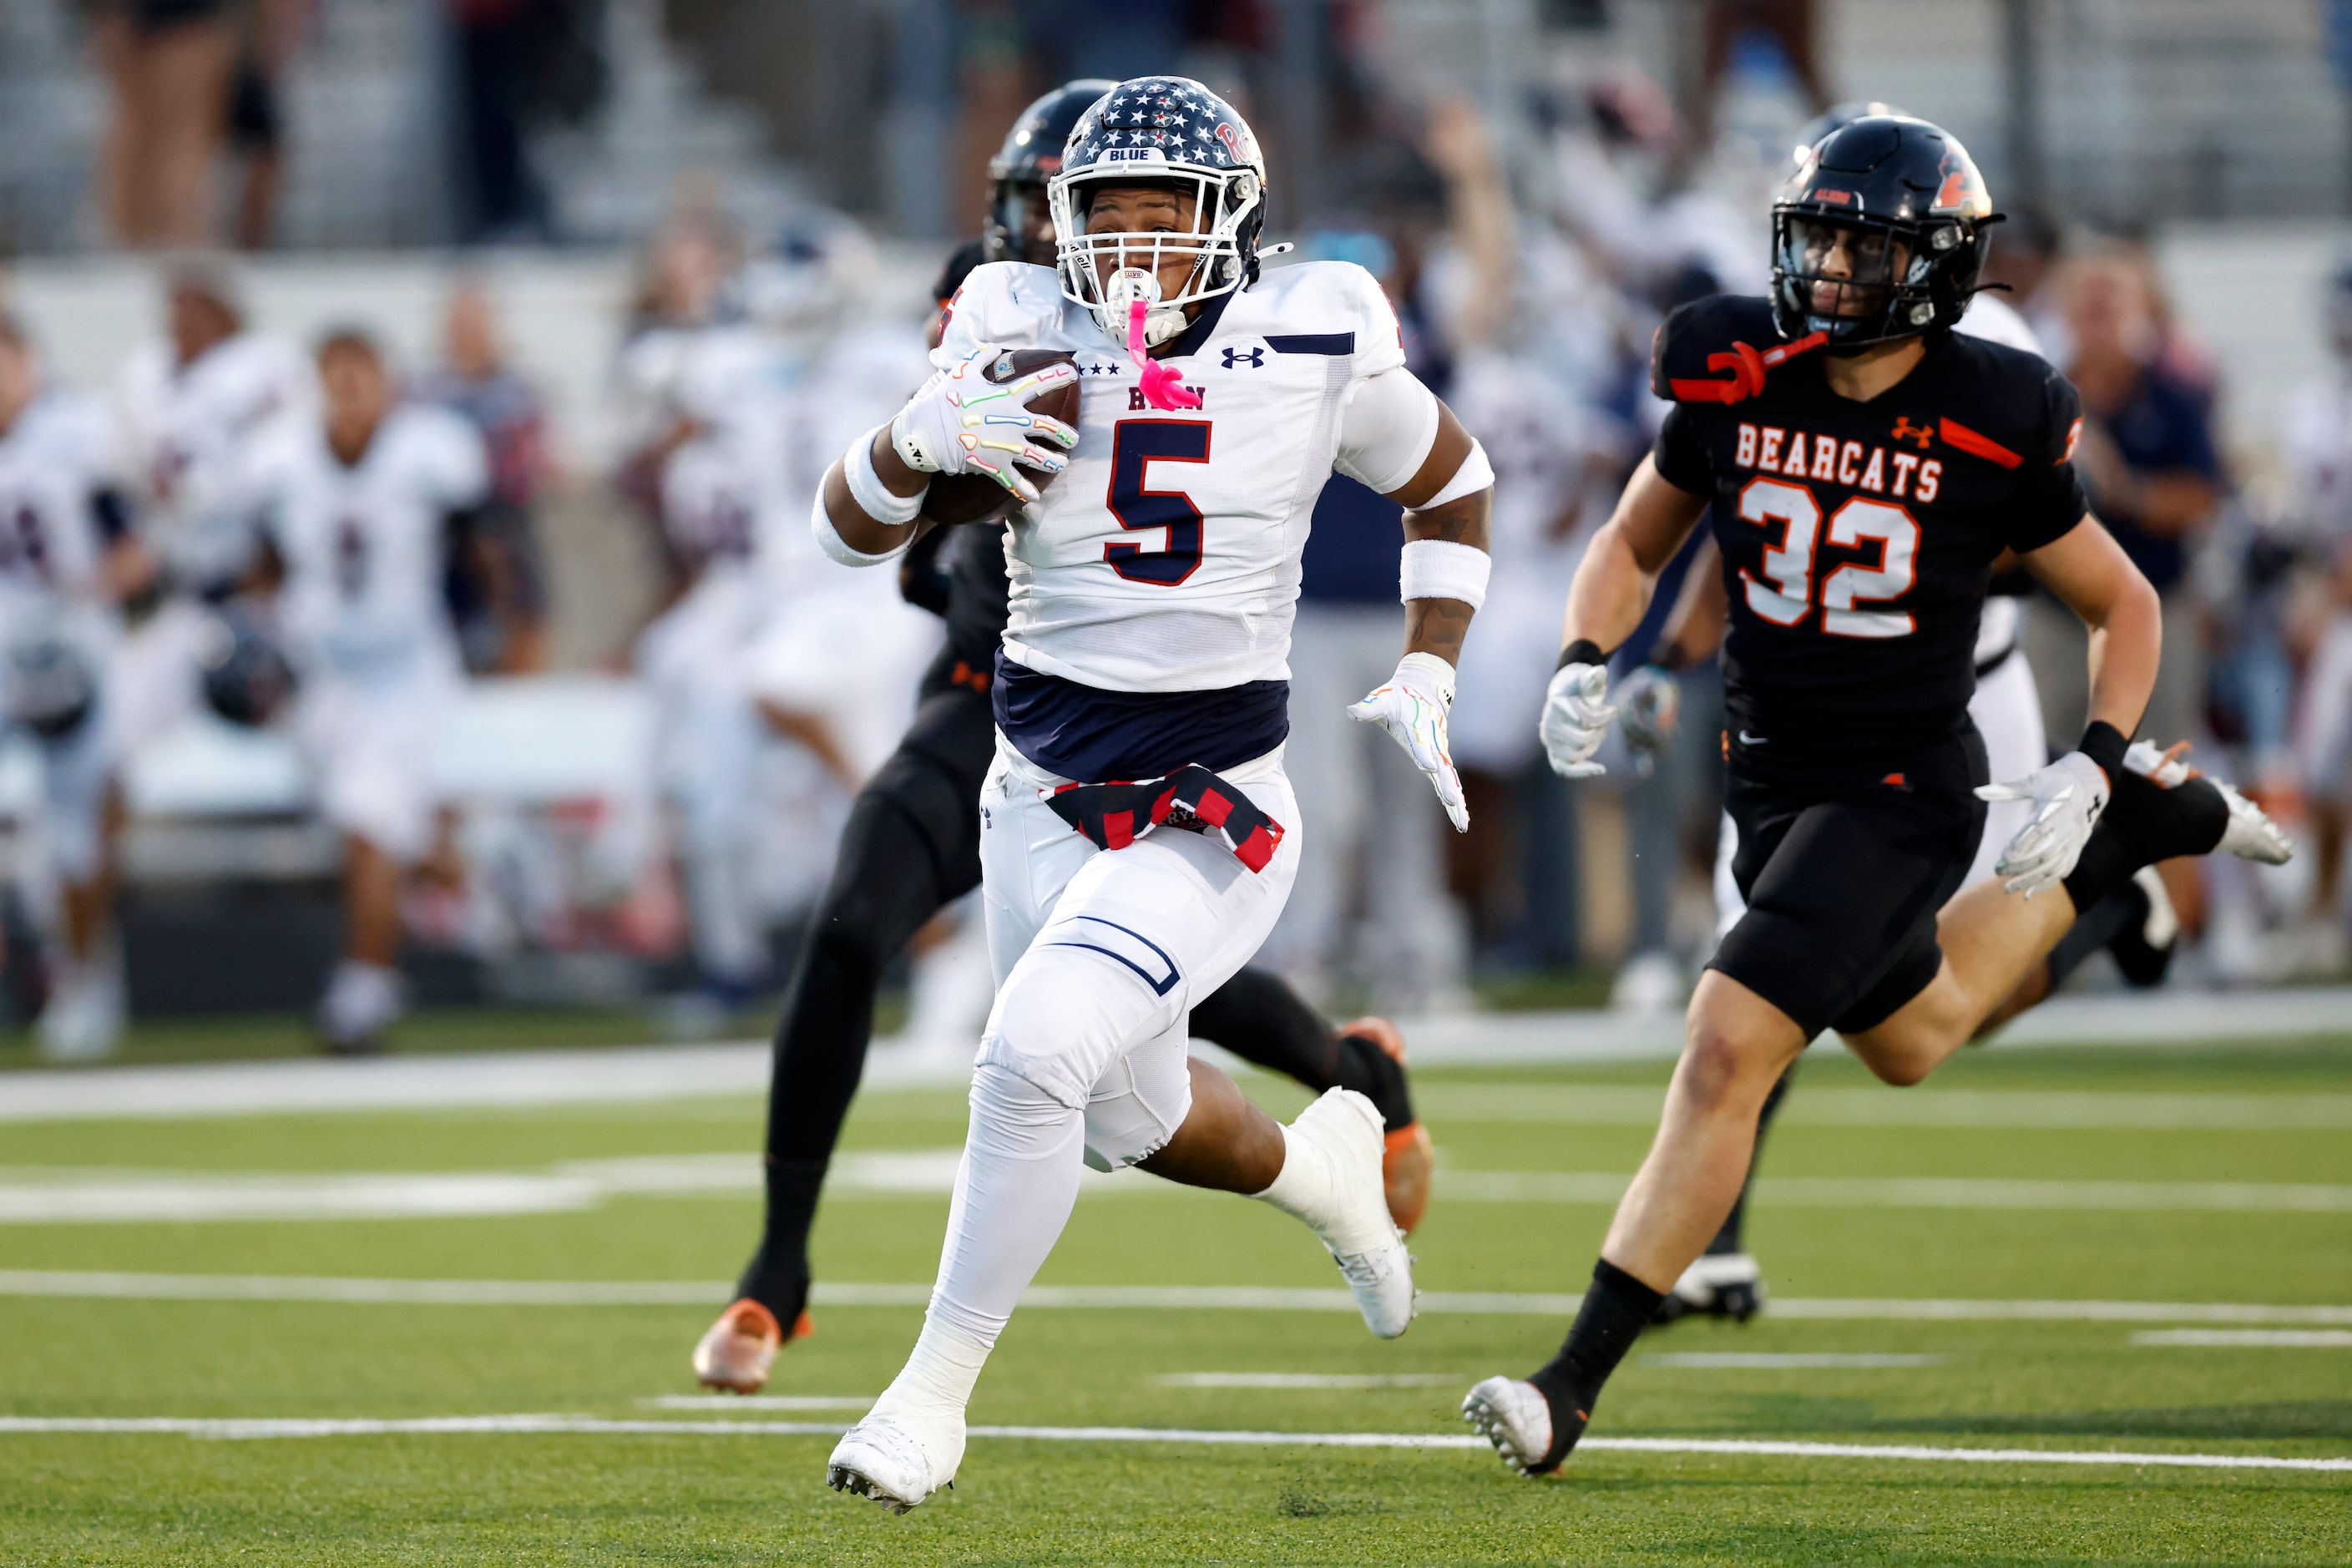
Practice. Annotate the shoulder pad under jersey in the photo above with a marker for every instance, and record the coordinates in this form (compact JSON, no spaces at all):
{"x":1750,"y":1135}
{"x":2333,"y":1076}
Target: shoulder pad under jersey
{"x":1008,"y":303}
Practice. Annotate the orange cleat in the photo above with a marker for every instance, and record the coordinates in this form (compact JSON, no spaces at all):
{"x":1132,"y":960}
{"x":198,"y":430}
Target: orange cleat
{"x":1408,"y":1159}
{"x":736,"y":1352}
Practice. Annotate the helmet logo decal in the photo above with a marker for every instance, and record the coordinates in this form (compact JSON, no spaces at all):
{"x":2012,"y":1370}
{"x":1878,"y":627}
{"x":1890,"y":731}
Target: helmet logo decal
{"x":1955,"y":192}
{"x":1823,"y":194}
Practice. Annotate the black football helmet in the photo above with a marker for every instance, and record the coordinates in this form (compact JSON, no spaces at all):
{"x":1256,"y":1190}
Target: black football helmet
{"x":1902,"y":202}
{"x":1032,"y":154}
{"x":247,"y":678}
{"x":1837,"y":117}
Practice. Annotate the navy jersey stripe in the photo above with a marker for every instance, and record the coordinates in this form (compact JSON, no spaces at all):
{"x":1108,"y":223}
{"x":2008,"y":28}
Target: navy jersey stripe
{"x":1332,"y":344}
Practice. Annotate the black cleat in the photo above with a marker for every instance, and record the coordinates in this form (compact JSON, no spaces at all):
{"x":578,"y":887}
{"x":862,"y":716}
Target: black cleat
{"x":2142,"y":949}
{"x":1718,"y":1285}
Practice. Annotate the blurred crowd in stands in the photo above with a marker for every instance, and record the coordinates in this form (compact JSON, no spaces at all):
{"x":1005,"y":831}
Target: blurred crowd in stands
{"x":1530,"y":249}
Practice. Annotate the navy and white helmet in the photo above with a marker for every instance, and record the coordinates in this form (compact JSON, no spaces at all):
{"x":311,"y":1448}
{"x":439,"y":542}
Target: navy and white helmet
{"x":1149,"y":130}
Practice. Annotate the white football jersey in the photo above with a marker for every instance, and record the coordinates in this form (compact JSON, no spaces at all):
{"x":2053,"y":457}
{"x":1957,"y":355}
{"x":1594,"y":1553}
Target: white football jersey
{"x":54,"y":459}
{"x":1165,"y":557}
{"x":2318,"y":451}
{"x":363,"y":545}
{"x":192,"y":430}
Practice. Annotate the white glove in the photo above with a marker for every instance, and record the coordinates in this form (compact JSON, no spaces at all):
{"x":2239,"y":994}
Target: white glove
{"x":963,"y":422}
{"x":1576,"y":718}
{"x":1411,"y":707}
{"x":2068,"y":796}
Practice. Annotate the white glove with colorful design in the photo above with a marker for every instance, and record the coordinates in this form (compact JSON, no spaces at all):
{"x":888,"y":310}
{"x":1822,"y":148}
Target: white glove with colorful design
{"x":963,"y":422}
{"x":1411,"y":707}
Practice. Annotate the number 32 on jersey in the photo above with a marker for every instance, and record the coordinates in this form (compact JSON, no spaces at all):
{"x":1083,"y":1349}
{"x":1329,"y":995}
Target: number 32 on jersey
{"x":1847,"y":594}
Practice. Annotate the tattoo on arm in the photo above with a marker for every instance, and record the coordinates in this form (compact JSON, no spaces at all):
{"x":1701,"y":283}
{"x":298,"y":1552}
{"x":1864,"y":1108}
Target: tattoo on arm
{"x":1439,"y":625}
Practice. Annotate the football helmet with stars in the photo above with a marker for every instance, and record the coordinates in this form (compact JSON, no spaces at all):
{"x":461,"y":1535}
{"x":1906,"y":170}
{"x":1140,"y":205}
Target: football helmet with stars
{"x":1151,"y":130}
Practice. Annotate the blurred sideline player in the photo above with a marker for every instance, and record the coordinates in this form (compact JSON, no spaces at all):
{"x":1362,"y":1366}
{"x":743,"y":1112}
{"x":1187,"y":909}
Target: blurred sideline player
{"x":62,"y":543}
{"x":356,"y":507}
{"x":1140,"y":682}
{"x":2136,"y":922}
{"x":2317,"y":454}
{"x":912,"y":846}
{"x":194,"y":407}
{"x":1866,"y":468}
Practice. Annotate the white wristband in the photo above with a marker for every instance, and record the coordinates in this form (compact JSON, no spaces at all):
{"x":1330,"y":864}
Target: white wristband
{"x":1440,"y":569}
{"x":873,"y":498}
{"x":829,"y":540}
{"x":1476,"y":474}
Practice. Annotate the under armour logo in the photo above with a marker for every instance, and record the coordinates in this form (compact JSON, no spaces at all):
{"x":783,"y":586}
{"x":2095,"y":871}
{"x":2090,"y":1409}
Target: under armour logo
{"x":1255,"y":357}
{"x":1906,"y":431}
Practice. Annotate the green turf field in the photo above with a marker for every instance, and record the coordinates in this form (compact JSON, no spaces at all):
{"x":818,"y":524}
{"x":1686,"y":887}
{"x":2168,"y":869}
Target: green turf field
{"x":2178,"y":1178}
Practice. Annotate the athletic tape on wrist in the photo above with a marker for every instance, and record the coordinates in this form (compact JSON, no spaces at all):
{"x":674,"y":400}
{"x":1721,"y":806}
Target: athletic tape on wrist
{"x":1476,"y":474}
{"x":835,"y":548}
{"x":1433,"y":667}
{"x":873,"y":498}
{"x":1583,"y":650}
{"x":1440,"y":569}
{"x":2104,"y":744}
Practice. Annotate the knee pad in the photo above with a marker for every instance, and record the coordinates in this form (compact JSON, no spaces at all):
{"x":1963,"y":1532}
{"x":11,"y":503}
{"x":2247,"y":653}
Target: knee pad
{"x":1066,"y":1014}
{"x":1137,"y":1106}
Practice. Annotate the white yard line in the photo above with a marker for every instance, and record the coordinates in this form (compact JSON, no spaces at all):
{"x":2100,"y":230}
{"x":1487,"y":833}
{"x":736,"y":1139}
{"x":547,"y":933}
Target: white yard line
{"x":1620,"y":1105}
{"x":2272,"y":1339}
{"x":1312,"y":1380}
{"x":445,"y":1425}
{"x":1765,"y":1362}
{"x":719,"y":1402}
{"x":1922,"y":1193}
{"x":631,"y":1076}
{"x":107,"y":1285}
{"x":69,"y":1195}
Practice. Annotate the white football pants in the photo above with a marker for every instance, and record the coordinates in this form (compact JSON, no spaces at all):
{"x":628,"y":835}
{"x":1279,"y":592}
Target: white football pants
{"x":1099,"y":955}
{"x":2007,"y":708}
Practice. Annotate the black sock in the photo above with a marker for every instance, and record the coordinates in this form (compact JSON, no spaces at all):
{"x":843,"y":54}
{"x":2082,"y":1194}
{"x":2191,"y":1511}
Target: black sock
{"x":1263,"y":1021}
{"x":886,"y":884}
{"x":1730,"y":1238}
{"x":778,"y":1275}
{"x":1378,"y":1076}
{"x":2094,"y":928}
{"x":1615,"y":1310}
{"x":2144,"y":824}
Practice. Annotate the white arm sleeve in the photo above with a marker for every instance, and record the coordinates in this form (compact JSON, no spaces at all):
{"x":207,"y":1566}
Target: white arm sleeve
{"x":1387,"y":430}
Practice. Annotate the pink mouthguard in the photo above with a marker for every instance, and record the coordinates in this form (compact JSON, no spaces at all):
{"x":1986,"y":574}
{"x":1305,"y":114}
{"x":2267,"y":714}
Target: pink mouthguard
{"x":1163,"y":388}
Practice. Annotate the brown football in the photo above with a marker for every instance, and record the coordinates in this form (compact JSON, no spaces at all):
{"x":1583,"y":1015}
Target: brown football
{"x":976,"y":498}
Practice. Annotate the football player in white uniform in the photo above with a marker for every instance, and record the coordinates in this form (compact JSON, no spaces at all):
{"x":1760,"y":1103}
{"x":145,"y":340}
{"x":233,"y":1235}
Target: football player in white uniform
{"x":357,"y":506}
{"x":1152,"y":591}
{"x":61,"y":538}
{"x":194,"y":407}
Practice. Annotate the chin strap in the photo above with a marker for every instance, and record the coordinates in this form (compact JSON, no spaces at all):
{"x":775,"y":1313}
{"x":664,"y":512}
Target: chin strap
{"x":1163,"y":386}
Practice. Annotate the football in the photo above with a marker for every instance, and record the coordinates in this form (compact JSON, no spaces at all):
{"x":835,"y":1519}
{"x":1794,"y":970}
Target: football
{"x":976,"y":498}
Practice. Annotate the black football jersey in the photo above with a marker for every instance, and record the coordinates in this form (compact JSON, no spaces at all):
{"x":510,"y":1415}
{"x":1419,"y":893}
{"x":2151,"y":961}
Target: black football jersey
{"x":1857,"y":539}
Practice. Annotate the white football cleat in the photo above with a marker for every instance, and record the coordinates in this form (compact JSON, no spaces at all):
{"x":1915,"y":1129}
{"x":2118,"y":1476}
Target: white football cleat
{"x":2251,"y":835}
{"x":895,"y":1459}
{"x":83,"y":1021}
{"x":1515,"y":1418}
{"x":1357,"y":1228}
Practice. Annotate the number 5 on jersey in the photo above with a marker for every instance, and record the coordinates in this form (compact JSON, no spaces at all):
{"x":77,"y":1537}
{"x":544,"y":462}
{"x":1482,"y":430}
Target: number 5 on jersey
{"x":1136,"y":444}
{"x":1786,"y":597}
